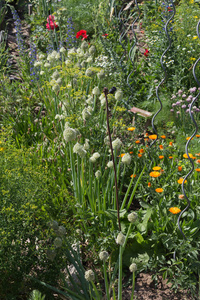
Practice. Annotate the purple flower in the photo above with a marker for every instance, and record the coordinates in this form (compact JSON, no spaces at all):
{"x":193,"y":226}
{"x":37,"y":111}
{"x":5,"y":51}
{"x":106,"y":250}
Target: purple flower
{"x":193,"y":90}
{"x":171,"y":110}
{"x":173,"y":104}
{"x":184,"y":96}
{"x":180,"y":92}
{"x":188,"y":99}
{"x":187,"y":110}
{"x":173,"y":97}
{"x":183,"y":106}
{"x":178,"y":103}
{"x":197,"y":110}
{"x":178,"y":112}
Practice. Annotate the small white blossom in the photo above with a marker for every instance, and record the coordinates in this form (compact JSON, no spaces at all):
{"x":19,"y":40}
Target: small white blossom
{"x":92,"y":50}
{"x":98,"y":174}
{"x":119,"y":95}
{"x":37,"y":63}
{"x":89,"y":60}
{"x":47,"y":65}
{"x":126,"y":159}
{"x":96,"y":155}
{"x":62,"y":50}
{"x":116,"y":144}
{"x":110,"y":164}
{"x":69,"y":134}
{"x":132,"y":217}
{"x":89,"y":275}
{"x":79,"y":149}
{"x":86,"y":145}
{"x":90,"y":100}
{"x":55,"y":75}
{"x":133,"y":267}
{"x":101,"y":74}
{"x":41,"y":56}
{"x":42,"y":72}
{"x":103,"y":255}
{"x":120,"y":239}
{"x":89,"y":72}
{"x":86,"y":114}
{"x":55,"y":88}
{"x":57,"y":56}
{"x":84,"y":45}
{"x":96,"y":91}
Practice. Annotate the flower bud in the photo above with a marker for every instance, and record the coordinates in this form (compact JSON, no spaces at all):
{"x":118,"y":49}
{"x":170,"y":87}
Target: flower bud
{"x":120,"y":239}
{"x":133,"y":267}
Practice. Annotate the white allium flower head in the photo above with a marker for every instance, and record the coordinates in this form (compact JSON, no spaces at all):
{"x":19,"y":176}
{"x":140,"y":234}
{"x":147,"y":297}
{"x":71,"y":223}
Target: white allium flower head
{"x":85,"y":114}
{"x":67,"y":61}
{"x":96,"y":91}
{"x":47,"y":65}
{"x":41,"y":56}
{"x":69,"y":134}
{"x":126,"y":159}
{"x":107,"y":141}
{"x":42,"y":72}
{"x":101,"y":74}
{"x":59,"y":81}
{"x":120,"y":239}
{"x":110,"y":164}
{"x":89,"y":72}
{"x":96,"y":155}
{"x":92,"y":50}
{"x":57,"y":56}
{"x":86,"y":145}
{"x":71,"y":51}
{"x":119,"y":95}
{"x":62,"y":50}
{"x":92,"y":159}
{"x":90,"y":100}
{"x":61,"y":231}
{"x":55,"y":75}
{"x":37,"y":63}
{"x":89,"y":275}
{"x":57,"y":242}
{"x":51,"y":254}
{"x":84,"y":45}
{"x":98,"y":174}
{"x":89,"y":60}
{"x":132,"y":217}
{"x":103,"y":102}
{"x":79,"y":149}
{"x":103,"y":255}
{"x":133,"y":267}
{"x":116,"y":144}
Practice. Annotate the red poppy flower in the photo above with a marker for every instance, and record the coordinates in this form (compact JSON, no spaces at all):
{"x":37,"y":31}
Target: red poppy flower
{"x":105,"y":35}
{"x":81,"y":33}
{"x":50,"y":23}
{"x":84,"y":37}
{"x":146,"y":52}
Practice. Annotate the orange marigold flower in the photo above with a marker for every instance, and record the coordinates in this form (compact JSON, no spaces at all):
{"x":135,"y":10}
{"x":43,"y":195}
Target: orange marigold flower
{"x":131,"y":152}
{"x":198,"y":161}
{"x":153,"y":137}
{"x":197,"y":135}
{"x":170,"y":143}
{"x":161,"y":156}
{"x":159,"y":190}
{"x":181,"y":197}
{"x":122,"y":154}
{"x":174,"y":210}
{"x":139,"y":155}
{"x":149,"y":184}
{"x":185,"y":155}
{"x":131,"y":128}
{"x":161,"y":147}
{"x":180,"y":168}
{"x":180,"y":181}
{"x":163,"y":136}
{"x":156,"y":168}
{"x":133,"y":175}
{"x":187,"y":138}
{"x":137,"y":142}
{"x":198,"y":169}
{"x":141,"y":150}
{"x":170,"y":157}
{"x":155,"y":174}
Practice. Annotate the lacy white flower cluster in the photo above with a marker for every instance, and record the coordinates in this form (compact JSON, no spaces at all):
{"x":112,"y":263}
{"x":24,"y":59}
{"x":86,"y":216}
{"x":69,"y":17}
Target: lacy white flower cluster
{"x":80,"y":150}
{"x":69,"y":133}
{"x":94,"y":157}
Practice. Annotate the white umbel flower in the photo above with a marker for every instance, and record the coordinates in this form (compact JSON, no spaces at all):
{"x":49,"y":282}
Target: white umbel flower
{"x":89,"y":275}
{"x":79,"y":149}
{"x":132,"y":217}
{"x":85,"y":114}
{"x":126,"y":159}
{"x":96,"y":155}
{"x":103,"y":255}
{"x":86,"y":145}
{"x":120,"y":239}
{"x":98,"y":174}
{"x":69,"y":134}
{"x":101,"y":74}
{"x":96,"y":91}
{"x":133,"y":267}
{"x":119,"y":95}
{"x":110,"y":164}
{"x":62,"y":50}
{"x":116,"y":144}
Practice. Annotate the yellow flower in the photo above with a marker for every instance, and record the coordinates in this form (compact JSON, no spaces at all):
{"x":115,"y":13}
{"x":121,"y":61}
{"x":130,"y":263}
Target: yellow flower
{"x":190,"y":155}
{"x":195,"y":17}
{"x":192,"y":58}
{"x":156,"y":168}
{"x":1,"y":149}
{"x":131,"y":129}
{"x":174,"y":210}
{"x":180,"y":181}
{"x":195,"y":37}
{"x":155,"y":174}
{"x":159,"y":190}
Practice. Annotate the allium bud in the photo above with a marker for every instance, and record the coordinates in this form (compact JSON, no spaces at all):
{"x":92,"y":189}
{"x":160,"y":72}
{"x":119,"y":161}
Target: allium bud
{"x":119,"y":95}
{"x":89,"y":275}
{"x":96,"y":91}
{"x":132,"y":217}
{"x":120,"y":239}
{"x":116,"y":144}
{"x":96,"y":155}
{"x":98,"y":174}
{"x":133,"y":267}
{"x":103,"y":255}
{"x":126,"y":159}
{"x":57,"y":242}
{"x":92,"y":50}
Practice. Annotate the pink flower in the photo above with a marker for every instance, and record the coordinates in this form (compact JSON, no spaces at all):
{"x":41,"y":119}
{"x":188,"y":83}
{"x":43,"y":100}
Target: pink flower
{"x":50,"y":23}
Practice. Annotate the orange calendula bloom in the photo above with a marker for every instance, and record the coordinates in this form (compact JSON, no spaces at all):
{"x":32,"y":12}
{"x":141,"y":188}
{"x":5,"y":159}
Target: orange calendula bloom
{"x":198,"y":135}
{"x":181,"y":197}
{"x":131,"y":152}
{"x":180,"y":181}
{"x":187,"y":138}
{"x":170,"y":157}
{"x":141,"y":150}
{"x":180,"y":168}
{"x":185,"y":155}
{"x":198,"y":161}
{"x":198,"y":170}
{"x":137,"y":142}
{"x":161,"y":147}
{"x":161,"y":156}
{"x":139,"y":155}
{"x":122,"y":154}
{"x":163,"y":136}
{"x":174,"y":210}
{"x":159,"y":190}
{"x":153,"y":137}
{"x":155,"y":174}
{"x":156,"y":168}
{"x":170,"y":144}
{"x":149,"y":184}
{"x":131,"y":129}
{"x":133,"y":175}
